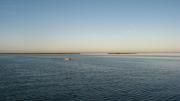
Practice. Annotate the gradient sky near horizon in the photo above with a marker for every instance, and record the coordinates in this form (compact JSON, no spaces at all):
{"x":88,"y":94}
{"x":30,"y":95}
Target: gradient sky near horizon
{"x":89,"y":25}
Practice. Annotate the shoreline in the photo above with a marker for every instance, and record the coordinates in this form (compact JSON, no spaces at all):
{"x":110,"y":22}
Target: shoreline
{"x":121,"y":53}
{"x":39,"y":53}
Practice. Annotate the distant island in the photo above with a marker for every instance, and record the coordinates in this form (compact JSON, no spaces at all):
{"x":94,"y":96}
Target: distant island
{"x":122,"y":53}
{"x":43,"y":53}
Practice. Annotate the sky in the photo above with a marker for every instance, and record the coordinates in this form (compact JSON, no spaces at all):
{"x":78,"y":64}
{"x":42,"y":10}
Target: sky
{"x":89,"y":26}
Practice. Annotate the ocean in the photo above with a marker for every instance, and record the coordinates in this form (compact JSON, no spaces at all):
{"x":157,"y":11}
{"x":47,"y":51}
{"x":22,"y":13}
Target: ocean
{"x":47,"y":77}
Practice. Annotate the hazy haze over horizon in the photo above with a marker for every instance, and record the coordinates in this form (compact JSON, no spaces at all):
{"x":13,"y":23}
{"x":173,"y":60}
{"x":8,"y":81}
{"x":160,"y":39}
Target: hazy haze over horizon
{"x":89,"y":26}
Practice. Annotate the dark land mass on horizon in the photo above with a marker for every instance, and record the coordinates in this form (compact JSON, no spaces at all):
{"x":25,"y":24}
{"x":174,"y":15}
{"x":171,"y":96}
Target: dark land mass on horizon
{"x":42,"y":53}
{"x":122,"y":53}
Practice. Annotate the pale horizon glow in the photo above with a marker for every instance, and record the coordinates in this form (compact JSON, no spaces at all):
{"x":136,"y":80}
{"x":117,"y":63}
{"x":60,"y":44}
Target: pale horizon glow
{"x":89,"y":26}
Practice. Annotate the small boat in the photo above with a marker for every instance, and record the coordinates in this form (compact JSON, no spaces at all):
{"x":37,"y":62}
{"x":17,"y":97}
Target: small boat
{"x":69,"y":59}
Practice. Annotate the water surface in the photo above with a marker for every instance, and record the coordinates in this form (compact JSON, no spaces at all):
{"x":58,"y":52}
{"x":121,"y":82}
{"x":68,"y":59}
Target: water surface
{"x":92,"y":78}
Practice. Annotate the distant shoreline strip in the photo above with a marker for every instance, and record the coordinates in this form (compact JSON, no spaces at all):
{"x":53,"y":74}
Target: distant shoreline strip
{"x":39,"y":53}
{"x":122,"y":53}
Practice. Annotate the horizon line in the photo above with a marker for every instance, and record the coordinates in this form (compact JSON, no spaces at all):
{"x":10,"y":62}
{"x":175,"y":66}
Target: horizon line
{"x":79,"y":52}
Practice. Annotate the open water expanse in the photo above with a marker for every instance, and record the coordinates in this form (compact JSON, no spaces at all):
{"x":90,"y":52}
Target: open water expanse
{"x":91,"y":78}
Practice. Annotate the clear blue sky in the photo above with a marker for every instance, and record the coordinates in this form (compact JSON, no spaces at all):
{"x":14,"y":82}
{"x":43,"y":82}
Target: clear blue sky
{"x":89,"y":25}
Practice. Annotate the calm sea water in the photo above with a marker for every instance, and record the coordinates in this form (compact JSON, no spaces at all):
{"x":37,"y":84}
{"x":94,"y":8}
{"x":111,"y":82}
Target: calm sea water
{"x":92,"y":78}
